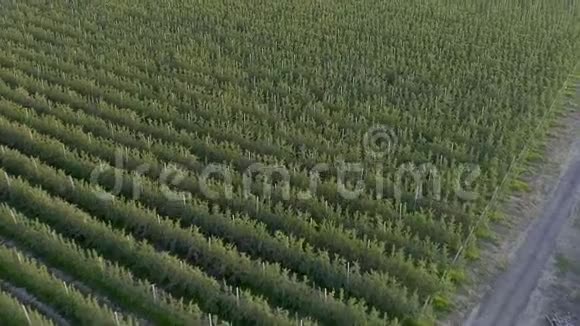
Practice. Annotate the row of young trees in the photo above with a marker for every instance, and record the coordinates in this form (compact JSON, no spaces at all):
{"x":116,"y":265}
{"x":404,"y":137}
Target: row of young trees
{"x":220,"y":124}
{"x":17,"y":313}
{"x":315,"y":206}
{"x":240,"y":230}
{"x":372,"y":255}
{"x":170,"y":273}
{"x":67,"y":301}
{"x":106,"y":278}
{"x":88,"y":142}
{"x":289,"y":84}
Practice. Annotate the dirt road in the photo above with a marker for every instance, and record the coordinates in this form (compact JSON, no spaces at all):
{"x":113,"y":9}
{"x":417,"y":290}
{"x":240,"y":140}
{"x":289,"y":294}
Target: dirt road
{"x":512,"y":290}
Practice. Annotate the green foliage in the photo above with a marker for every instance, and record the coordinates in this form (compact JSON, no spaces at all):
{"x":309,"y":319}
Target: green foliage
{"x":442,"y":304}
{"x":534,"y":156}
{"x":457,"y":275}
{"x":519,"y":186}
{"x":495,"y":216}
{"x":173,"y":83}
{"x":567,"y":265}
{"x":25,"y":272}
{"x":15,"y":313}
{"x":107,"y":278}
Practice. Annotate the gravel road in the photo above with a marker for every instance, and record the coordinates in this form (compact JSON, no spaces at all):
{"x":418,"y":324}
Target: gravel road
{"x":511,"y":291}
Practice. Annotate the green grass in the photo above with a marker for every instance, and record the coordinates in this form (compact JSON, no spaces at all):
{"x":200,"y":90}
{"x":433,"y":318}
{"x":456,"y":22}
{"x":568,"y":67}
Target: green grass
{"x":567,"y":265}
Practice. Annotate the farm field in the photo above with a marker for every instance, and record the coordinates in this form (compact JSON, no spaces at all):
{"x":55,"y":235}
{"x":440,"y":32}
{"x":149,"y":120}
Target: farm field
{"x":257,"y":162}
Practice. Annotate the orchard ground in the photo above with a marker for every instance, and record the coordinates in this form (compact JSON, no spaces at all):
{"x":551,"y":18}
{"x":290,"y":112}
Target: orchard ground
{"x":557,"y":290}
